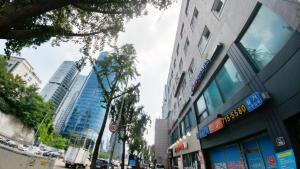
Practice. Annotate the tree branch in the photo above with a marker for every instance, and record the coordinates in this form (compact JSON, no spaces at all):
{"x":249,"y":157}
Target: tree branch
{"x":47,"y":31}
{"x":127,"y":91}
{"x":86,"y":7}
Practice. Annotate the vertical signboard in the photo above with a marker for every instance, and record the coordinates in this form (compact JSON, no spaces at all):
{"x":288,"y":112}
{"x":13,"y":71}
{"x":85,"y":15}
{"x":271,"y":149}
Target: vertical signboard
{"x":286,"y":159}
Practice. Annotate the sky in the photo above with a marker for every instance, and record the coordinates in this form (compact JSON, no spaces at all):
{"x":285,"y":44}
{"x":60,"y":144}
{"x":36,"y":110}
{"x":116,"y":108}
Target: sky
{"x":153,"y":37}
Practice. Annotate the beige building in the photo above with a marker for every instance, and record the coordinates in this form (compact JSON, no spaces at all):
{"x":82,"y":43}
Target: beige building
{"x":21,"y":67}
{"x":161,"y":141}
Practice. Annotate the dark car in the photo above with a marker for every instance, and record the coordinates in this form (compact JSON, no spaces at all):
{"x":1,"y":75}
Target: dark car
{"x":101,"y":164}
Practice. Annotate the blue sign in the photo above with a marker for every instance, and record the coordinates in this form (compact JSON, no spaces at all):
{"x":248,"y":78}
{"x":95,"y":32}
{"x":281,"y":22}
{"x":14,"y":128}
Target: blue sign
{"x":286,"y":159}
{"x":254,"y":101}
{"x":203,"y":132}
{"x":132,"y":163}
{"x":200,"y":75}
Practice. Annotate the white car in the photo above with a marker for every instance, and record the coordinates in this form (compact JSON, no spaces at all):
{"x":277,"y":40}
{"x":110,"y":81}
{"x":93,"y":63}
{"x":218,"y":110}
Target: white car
{"x":159,"y":166}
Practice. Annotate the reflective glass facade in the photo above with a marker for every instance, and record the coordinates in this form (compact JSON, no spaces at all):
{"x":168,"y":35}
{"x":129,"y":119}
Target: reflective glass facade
{"x":87,"y":114}
{"x":265,"y":37}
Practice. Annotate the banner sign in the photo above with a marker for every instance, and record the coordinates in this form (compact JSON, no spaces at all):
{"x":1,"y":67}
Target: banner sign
{"x":216,"y":125}
{"x":286,"y":159}
{"x":181,"y":146}
{"x":251,"y":103}
{"x":200,"y":75}
{"x":203,"y":132}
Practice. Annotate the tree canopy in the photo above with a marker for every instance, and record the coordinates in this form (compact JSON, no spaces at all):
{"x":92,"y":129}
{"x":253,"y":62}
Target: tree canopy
{"x":21,"y":101}
{"x":91,"y":23}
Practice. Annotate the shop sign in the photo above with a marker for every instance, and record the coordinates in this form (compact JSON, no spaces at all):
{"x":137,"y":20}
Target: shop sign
{"x":181,"y":146}
{"x":254,"y":101}
{"x":200,"y":75}
{"x":203,"y":132}
{"x":216,"y":125}
{"x":235,"y":114}
{"x":251,"y":103}
{"x":286,"y":159}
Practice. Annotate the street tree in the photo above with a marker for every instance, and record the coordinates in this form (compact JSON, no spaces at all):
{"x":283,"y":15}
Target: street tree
{"x":25,"y":23}
{"x":133,"y":122}
{"x":125,"y":113}
{"x":113,"y":72}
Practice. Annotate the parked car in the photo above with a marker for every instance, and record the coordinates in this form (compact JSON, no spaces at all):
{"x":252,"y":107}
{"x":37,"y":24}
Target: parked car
{"x":159,"y":166}
{"x":12,"y":143}
{"x":101,"y":164}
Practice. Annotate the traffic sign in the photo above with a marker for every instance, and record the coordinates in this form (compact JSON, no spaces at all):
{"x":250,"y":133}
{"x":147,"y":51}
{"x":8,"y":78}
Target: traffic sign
{"x":113,"y":127}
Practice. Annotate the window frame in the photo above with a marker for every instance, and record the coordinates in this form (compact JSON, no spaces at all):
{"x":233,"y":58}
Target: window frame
{"x":186,"y":45}
{"x":181,"y":30}
{"x":200,"y":113}
{"x":200,"y":40}
{"x":242,"y":33}
{"x":218,"y":14}
{"x":187,"y":7}
{"x":194,"y":19}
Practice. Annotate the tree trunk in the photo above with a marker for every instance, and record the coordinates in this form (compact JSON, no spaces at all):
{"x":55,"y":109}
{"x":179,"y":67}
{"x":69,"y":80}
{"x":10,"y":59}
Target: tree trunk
{"x":123,"y":154}
{"x":14,"y":12}
{"x":99,"y":138}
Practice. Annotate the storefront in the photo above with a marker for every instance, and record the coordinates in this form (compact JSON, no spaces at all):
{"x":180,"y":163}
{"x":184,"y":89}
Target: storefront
{"x":253,"y":153}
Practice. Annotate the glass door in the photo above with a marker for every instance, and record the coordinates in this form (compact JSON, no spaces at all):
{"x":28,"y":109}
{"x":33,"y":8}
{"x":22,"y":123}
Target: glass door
{"x":253,"y":156}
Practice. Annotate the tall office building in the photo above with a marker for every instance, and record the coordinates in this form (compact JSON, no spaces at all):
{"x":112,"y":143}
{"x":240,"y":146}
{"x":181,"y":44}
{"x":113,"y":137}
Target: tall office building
{"x":68,"y":102}
{"x":87,"y":114}
{"x":60,"y":82}
{"x":232,"y":96}
{"x":21,"y":67}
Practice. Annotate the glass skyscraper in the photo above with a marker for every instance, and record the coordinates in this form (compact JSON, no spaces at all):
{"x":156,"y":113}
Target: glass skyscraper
{"x":60,"y":82}
{"x":86,"y":116}
{"x":68,"y":102}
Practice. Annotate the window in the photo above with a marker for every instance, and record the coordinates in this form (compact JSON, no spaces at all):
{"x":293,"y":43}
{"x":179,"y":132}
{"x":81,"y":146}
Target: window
{"x":191,"y":68}
{"x":194,"y":18}
{"x":204,"y":39}
{"x":175,"y":135}
{"x":187,"y":7}
{"x":181,"y":31}
{"x":265,"y":37}
{"x":201,"y":109}
{"x":29,"y":79}
{"x":218,"y":7}
{"x":229,"y":80}
{"x":187,"y":123}
{"x":186,"y":45}
{"x":213,"y":98}
{"x":177,"y":50}
{"x":174,"y":64}
{"x":224,"y":85}
{"x":180,"y":64}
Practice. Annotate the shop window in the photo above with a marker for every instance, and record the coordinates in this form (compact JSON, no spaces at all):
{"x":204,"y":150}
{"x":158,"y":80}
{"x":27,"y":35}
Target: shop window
{"x":265,"y":37}
{"x":204,"y":39}
{"x":194,"y":18}
{"x":201,"y":109}
{"x":191,"y":160}
{"x":229,"y":80}
{"x":181,"y":31}
{"x":186,"y":45}
{"x":213,"y":98}
{"x":218,"y":7}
